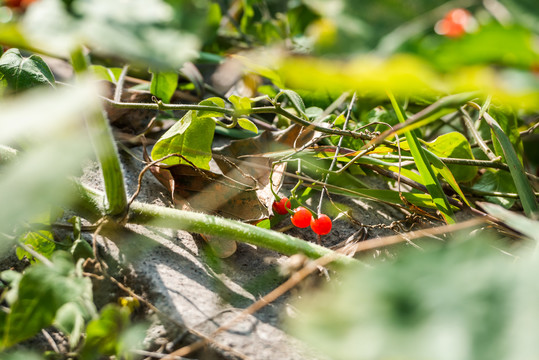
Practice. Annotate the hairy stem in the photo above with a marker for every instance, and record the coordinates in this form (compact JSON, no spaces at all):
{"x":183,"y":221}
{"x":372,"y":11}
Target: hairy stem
{"x":153,"y":215}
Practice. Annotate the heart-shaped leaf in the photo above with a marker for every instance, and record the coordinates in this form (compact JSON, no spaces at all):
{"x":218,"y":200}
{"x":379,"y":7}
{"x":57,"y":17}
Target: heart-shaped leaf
{"x":191,"y":137}
{"x":23,"y":73}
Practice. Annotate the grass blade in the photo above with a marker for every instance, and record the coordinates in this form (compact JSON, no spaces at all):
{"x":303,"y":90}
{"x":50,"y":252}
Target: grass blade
{"x":524,"y":189}
{"x":423,"y":165}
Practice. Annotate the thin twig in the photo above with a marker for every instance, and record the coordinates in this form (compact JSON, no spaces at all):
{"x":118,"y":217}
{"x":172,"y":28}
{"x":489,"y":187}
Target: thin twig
{"x":51,"y":341}
{"x":478,"y":139}
{"x":35,"y":254}
{"x":395,"y":239}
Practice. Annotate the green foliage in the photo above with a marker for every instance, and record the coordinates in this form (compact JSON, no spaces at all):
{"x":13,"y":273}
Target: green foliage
{"x":22,"y":73}
{"x":191,"y":137}
{"x":483,"y":47}
{"x":164,"y":84}
{"x":422,"y":306}
{"x":454,"y":145}
{"x":295,"y":100}
{"x":112,"y":334}
{"x":240,"y":103}
{"x":247,"y":125}
{"x":473,"y":302}
{"x":212,"y":101}
{"x":424,"y":167}
{"x":145,"y":32}
{"x":111,"y":74}
{"x":42,"y":291}
{"x":497,"y":181}
{"x":41,"y":241}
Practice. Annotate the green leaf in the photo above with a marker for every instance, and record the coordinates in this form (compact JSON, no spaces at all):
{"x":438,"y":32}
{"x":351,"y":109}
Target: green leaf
{"x":146,"y":32}
{"x":164,"y":84}
{"x":508,"y":122}
{"x":528,"y":227}
{"x":41,"y":241}
{"x":71,"y":320}
{"x":454,"y":145}
{"x":497,"y":181}
{"x":106,"y":73}
{"x":423,"y":165}
{"x":191,"y":137}
{"x":524,"y":188}
{"x":213,"y":101}
{"x":23,"y":73}
{"x":112,"y":334}
{"x":241,"y":103}
{"x":43,"y":290}
{"x":81,"y":250}
{"x":296,"y":100}
{"x":247,"y":125}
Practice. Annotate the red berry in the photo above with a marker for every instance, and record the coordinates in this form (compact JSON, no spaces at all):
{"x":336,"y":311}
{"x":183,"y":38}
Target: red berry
{"x":455,"y":23}
{"x":322,"y":225}
{"x":280,"y":206}
{"x":302,"y":217}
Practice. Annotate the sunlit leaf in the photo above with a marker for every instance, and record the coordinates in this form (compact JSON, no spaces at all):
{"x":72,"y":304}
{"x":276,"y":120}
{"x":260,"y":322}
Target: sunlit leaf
{"x":240,"y":103}
{"x":111,"y":334}
{"x":106,"y":73}
{"x":454,"y":145}
{"x":41,"y":241}
{"x":191,"y":137}
{"x":424,"y":167}
{"x":296,"y":101}
{"x":213,"y":101}
{"x":247,"y":125}
{"x":164,"y":84}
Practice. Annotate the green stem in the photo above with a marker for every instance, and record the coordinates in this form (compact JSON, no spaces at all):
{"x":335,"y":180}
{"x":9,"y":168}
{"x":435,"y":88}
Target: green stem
{"x":257,"y":110}
{"x":105,"y":148}
{"x":153,"y":215}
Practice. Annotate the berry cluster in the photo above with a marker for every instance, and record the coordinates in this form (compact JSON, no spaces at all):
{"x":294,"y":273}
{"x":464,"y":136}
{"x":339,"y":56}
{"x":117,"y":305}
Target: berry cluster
{"x":302,"y":217}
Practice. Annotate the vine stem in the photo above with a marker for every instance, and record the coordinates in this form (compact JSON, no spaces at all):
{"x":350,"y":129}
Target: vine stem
{"x":153,"y":215}
{"x":105,"y":148}
{"x":226,"y":111}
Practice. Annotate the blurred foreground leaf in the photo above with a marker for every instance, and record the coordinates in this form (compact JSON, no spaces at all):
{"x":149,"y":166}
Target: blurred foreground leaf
{"x":143,"y":32}
{"x":112,"y":334}
{"x":49,"y":125}
{"x":42,"y":291}
{"x":464,"y":301}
